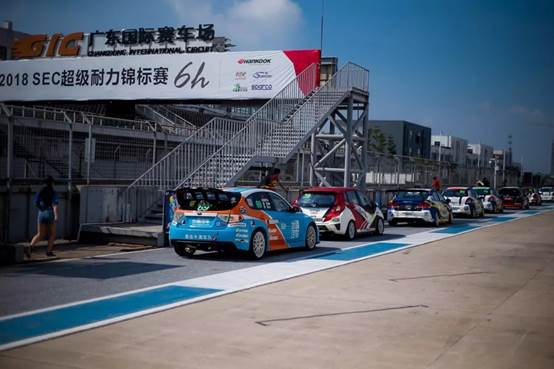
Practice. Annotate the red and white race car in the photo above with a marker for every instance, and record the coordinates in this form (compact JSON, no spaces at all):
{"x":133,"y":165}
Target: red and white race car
{"x":341,"y":210}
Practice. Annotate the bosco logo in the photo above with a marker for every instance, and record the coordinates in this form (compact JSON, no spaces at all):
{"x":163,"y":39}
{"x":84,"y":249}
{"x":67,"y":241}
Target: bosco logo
{"x":34,"y":46}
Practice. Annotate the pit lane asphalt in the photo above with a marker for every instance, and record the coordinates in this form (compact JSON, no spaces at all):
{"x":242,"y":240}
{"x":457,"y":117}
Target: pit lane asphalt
{"x":36,"y":286}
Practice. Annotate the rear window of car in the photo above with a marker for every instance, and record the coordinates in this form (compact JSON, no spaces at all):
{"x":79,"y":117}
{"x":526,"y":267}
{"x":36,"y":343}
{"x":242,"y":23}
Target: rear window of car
{"x":207,"y":200}
{"x":316,"y":200}
{"x":455,"y":193}
{"x":411,"y":195}
{"x":509,"y":192}
{"x":483,"y":191}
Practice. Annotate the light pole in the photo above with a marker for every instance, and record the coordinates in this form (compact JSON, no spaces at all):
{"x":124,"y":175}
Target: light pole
{"x":495,"y":163}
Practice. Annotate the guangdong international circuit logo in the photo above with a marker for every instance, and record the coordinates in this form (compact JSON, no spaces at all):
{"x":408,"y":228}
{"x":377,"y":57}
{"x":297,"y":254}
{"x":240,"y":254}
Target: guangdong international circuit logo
{"x":254,"y":61}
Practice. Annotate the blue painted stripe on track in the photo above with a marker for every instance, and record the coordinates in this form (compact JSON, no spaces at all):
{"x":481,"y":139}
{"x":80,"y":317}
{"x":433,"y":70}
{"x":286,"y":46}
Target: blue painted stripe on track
{"x":502,"y":219}
{"x":456,"y":229}
{"x":362,"y":251}
{"x":46,"y":322}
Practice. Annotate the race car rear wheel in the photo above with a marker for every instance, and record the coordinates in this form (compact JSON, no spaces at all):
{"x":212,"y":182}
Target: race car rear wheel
{"x":379,"y":227}
{"x":184,"y":250}
{"x":350,"y":231}
{"x":258,"y":244}
{"x":311,"y":237}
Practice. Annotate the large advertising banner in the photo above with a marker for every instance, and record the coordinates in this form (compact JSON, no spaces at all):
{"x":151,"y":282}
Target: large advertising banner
{"x":230,"y":75}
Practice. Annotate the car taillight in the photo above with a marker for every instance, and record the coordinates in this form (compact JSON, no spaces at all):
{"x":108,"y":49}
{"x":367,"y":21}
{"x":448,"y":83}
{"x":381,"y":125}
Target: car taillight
{"x":333,"y":212}
{"x":424,"y":205}
{"x":393,"y":204}
{"x":230,"y":218}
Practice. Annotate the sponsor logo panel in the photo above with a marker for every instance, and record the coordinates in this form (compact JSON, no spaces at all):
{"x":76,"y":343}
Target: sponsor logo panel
{"x":254,"y":61}
{"x":238,"y":88}
{"x":266,"y":87}
{"x":262,"y":74}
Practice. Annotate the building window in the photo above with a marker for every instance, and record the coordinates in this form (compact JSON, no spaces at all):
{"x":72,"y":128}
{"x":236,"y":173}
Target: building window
{"x":3,"y":53}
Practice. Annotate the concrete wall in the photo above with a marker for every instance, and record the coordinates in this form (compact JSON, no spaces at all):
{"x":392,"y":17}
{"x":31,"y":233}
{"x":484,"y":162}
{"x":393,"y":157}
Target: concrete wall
{"x":99,"y":204}
{"x":19,"y":222}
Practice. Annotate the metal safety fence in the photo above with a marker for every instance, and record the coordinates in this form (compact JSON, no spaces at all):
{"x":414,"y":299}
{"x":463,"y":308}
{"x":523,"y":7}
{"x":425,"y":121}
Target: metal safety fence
{"x":54,"y":143}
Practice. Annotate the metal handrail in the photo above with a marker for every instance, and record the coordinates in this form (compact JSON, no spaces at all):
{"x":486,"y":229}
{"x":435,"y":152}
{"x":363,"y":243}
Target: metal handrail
{"x":66,"y":116}
{"x":171,"y":115}
{"x":165,"y":117}
{"x":270,"y":133}
{"x":190,"y":152}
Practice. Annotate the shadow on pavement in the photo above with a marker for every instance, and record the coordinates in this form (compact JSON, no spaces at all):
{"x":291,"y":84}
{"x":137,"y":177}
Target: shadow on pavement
{"x":93,"y":269}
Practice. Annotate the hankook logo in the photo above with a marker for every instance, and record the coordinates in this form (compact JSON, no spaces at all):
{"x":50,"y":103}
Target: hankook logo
{"x":254,"y":61}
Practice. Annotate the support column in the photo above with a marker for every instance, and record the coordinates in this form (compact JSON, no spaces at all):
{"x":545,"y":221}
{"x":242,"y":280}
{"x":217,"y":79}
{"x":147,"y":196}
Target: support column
{"x":312,"y":158}
{"x":348,"y":145}
{"x":9,"y":168}
{"x":89,"y":152}
{"x":365,"y":149}
{"x":154,"y":148}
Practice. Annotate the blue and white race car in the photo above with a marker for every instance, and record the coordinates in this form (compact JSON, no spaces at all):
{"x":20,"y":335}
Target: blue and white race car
{"x":418,"y":205}
{"x":247,"y":219}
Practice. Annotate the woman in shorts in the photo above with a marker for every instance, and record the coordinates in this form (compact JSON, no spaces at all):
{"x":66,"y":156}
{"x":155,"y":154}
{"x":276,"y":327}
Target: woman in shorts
{"x":46,"y":201}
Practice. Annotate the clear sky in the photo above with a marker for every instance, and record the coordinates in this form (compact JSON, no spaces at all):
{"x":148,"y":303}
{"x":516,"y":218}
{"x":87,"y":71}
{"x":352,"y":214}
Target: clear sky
{"x":478,"y":69}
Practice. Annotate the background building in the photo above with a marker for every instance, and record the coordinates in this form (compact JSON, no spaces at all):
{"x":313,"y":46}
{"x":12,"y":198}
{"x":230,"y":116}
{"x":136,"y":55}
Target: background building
{"x":7,"y":35}
{"x":457,"y":145}
{"x":500,"y":154}
{"x":406,"y":138}
{"x":484,"y":154}
{"x":328,"y":67}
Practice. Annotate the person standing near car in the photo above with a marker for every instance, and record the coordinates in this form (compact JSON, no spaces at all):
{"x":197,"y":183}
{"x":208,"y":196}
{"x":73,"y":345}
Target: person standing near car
{"x":436,"y":185}
{"x":47,"y":202}
{"x":271,"y":181}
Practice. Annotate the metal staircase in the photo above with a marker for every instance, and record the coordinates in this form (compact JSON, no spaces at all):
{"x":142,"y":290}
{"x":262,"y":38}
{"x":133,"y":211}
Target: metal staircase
{"x":221,"y":151}
{"x":277,"y":130}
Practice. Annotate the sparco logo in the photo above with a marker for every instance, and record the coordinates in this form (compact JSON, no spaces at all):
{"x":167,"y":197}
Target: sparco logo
{"x":254,"y":61}
{"x":262,"y":87}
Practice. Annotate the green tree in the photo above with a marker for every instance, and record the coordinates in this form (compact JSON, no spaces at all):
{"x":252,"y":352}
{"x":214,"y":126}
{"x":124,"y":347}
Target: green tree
{"x":377,"y":141}
{"x":391,"y":146}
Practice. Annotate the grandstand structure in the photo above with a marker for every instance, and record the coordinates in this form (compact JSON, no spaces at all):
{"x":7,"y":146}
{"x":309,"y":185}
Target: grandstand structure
{"x":159,"y":147}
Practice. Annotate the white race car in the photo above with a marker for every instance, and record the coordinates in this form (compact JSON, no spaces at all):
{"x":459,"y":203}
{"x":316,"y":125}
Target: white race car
{"x":342,"y":211}
{"x":547,"y":193}
{"x":491,"y":199}
{"x":464,"y":201}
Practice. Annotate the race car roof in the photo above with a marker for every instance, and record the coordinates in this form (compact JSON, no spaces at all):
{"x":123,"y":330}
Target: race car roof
{"x":416,"y":189}
{"x":328,"y":189}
